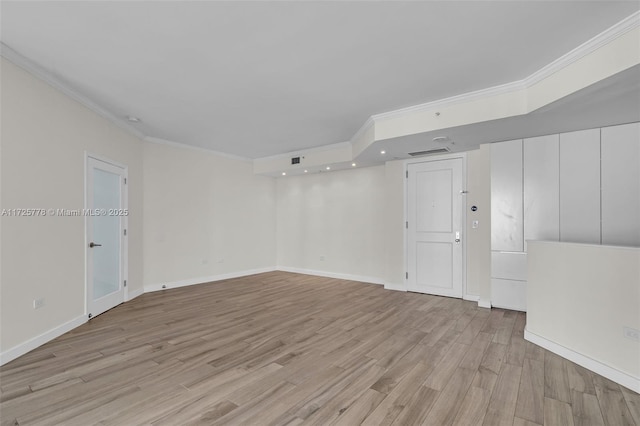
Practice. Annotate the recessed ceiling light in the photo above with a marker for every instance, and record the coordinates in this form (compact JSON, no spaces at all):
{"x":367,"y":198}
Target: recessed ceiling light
{"x":132,"y":119}
{"x":328,"y":168}
{"x":383,"y":152}
{"x":353,"y":164}
{"x":284,"y":173}
{"x":306,"y":171}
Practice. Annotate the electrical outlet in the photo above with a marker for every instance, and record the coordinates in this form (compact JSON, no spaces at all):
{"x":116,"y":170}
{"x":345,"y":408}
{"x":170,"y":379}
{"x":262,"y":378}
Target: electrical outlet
{"x":322,"y":258}
{"x":38,"y":303}
{"x":474,"y":224}
{"x":631,"y":333}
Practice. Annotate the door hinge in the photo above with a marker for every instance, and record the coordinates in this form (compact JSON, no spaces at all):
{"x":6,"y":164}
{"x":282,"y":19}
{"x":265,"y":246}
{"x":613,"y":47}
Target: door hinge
{"x":406,"y":225}
{"x":125,"y":232}
{"x":125,"y":283}
{"x":406,"y":275}
{"x":406,"y":174}
{"x":125,"y":181}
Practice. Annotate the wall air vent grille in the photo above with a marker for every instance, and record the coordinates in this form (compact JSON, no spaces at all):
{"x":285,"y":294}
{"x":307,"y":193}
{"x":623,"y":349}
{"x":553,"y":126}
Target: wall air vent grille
{"x":429,"y":152}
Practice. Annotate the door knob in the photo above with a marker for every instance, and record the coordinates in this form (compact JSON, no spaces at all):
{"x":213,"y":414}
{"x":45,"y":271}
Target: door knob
{"x":92,"y":244}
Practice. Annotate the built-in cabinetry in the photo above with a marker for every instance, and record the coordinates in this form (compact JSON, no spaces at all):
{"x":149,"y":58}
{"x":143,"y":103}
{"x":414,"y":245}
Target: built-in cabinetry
{"x":581,"y":187}
{"x":508,"y":260}
{"x":621,"y":185}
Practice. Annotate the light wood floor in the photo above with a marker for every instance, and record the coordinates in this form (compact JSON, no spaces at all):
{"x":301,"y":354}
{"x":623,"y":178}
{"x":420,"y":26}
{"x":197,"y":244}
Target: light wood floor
{"x":287,"y":349}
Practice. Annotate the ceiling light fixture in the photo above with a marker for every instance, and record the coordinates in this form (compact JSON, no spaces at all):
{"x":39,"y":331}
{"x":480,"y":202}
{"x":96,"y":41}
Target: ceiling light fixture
{"x":284,"y":173}
{"x":328,"y":168}
{"x":353,"y":164}
{"x":441,"y":139}
{"x":306,"y":171}
{"x":383,"y":152}
{"x":132,"y":119}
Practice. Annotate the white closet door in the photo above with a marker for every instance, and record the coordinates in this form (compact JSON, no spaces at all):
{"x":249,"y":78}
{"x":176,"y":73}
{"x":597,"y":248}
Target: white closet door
{"x":580,"y":186}
{"x":506,"y":196}
{"x":541,"y":189}
{"x":621,"y":185}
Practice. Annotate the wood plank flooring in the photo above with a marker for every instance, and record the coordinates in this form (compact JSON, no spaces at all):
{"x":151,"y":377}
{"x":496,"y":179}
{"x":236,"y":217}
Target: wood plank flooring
{"x":287,"y":349}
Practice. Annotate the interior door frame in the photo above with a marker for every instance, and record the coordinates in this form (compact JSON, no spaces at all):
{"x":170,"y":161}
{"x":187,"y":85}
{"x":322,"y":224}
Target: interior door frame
{"x":463,"y":228}
{"x":124,"y":251}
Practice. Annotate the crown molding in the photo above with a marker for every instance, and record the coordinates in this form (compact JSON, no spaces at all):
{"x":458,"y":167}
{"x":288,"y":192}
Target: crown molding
{"x":367,"y":124}
{"x":172,"y":144}
{"x":629,"y":23}
{"x":453,"y":100}
{"x":43,"y":74}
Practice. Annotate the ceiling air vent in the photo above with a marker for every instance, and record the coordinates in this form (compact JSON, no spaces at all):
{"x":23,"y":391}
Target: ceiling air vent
{"x":429,"y":152}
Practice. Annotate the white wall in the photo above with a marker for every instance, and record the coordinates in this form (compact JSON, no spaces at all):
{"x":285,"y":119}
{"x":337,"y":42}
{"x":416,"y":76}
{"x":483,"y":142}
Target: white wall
{"x":339,"y":216}
{"x":44,"y":136}
{"x":394,"y":225}
{"x":206,"y":217}
{"x":579,"y":298}
{"x":479,"y":239}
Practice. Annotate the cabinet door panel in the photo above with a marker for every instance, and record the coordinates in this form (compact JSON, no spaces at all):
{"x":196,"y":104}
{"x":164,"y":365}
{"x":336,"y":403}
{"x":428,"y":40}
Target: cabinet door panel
{"x":580,"y":186}
{"x":621,"y":185}
{"x":506,"y":196}
{"x":541,"y":189}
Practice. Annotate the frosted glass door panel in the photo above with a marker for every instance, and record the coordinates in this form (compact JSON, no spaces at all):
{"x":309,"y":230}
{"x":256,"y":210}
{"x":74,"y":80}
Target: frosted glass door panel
{"x":106,"y":232}
{"x":506,"y":196}
{"x":580,"y":186}
{"x":542,"y":188}
{"x":621,"y":185}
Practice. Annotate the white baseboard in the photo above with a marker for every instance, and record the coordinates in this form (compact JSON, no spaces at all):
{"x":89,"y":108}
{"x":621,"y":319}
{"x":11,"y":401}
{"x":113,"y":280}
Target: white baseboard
{"x":203,"y":280}
{"x":484,"y":303}
{"x":471,"y":298}
{"x":31,"y":344}
{"x":395,"y":287}
{"x":135,"y":293}
{"x":610,"y":373}
{"x":360,"y":278}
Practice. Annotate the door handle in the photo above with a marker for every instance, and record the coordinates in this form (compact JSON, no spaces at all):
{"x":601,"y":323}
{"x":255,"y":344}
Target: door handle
{"x":457,"y":236}
{"x":92,"y":244}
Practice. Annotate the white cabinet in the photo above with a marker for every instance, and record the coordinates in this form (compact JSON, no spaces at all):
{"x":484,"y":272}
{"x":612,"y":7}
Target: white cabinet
{"x":506,"y":196}
{"x":580,"y":186}
{"x":542,"y":188}
{"x":509,"y":280}
{"x":621,"y":185}
{"x":508,"y":271}
{"x":509,"y":265}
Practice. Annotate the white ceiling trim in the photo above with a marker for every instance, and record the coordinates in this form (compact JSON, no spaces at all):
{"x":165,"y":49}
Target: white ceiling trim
{"x":617,"y":30}
{"x":46,"y":76}
{"x":370,"y":122}
{"x":453,"y":100}
{"x":195,"y":148}
{"x":629,"y":23}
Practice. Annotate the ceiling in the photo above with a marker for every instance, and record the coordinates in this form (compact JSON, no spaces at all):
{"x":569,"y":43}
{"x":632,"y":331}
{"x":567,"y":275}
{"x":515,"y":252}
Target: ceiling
{"x":257,"y":79}
{"x":614,"y":100}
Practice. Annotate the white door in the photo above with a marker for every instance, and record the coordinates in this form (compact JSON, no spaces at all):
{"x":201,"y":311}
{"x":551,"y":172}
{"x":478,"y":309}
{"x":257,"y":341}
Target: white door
{"x":434,"y":228}
{"x":105,"y":213}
